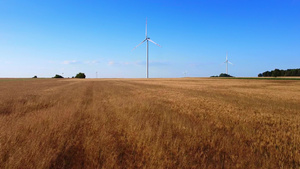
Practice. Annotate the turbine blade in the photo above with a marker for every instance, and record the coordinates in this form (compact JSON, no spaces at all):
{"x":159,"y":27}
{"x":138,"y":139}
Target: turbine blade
{"x":230,"y":62}
{"x":154,"y":42}
{"x":139,"y":44}
{"x":146,"y":27}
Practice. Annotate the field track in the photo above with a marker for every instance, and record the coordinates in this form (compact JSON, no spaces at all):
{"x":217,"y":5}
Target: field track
{"x":155,"y":123}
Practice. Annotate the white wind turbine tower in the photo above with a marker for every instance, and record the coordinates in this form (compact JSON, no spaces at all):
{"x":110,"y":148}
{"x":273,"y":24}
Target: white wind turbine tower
{"x":147,"y":49}
{"x":227,"y":63}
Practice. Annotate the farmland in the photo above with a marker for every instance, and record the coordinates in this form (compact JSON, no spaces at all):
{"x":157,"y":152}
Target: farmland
{"x":155,"y":123}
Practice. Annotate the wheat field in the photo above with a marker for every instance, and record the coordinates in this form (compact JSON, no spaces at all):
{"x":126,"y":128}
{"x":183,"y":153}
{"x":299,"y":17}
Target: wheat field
{"x":155,"y":123}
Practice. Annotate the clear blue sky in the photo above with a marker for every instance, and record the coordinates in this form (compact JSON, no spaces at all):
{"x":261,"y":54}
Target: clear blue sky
{"x":44,"y":38}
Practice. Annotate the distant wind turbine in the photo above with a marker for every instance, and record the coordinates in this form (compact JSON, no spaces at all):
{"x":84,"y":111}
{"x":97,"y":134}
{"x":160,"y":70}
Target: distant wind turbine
{"x":227,"y":63}
{"x":147,"y":49}
{"x":185,"y":73}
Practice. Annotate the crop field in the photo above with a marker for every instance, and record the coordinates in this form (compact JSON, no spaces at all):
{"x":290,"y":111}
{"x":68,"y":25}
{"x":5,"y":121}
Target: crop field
{"x":155,"y":123}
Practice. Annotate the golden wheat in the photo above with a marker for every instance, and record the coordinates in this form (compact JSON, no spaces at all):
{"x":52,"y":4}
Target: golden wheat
{"x":155,"y":123}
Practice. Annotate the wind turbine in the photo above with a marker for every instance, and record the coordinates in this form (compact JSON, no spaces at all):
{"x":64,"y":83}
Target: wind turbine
{"x":185,"y":72}
{"x":147,"y":39}
{"x":227,"y":62}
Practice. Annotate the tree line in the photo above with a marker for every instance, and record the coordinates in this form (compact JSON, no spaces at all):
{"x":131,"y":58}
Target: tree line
{"x":222,"y":75}
{"x":277,"y":72}
{"x":79,"y":75}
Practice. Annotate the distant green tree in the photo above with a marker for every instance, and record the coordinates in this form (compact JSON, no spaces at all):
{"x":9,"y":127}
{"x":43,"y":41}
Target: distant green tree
{"x":276,"y":73}
{"x":58,"y":76}
{"x":224,"y":75}
{"x":34,"y":77}
{"x":298,"y":74}
{"x":288,"y":73}
{"x":282,"y":72}
{"x":80,"y":75}
{"x":260,"y":75}
{"x":293,"y":72}
{"x":269,"y":73}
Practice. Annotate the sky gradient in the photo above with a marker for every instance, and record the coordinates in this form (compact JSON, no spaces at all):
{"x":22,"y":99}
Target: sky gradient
{"x":45,"y":38}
